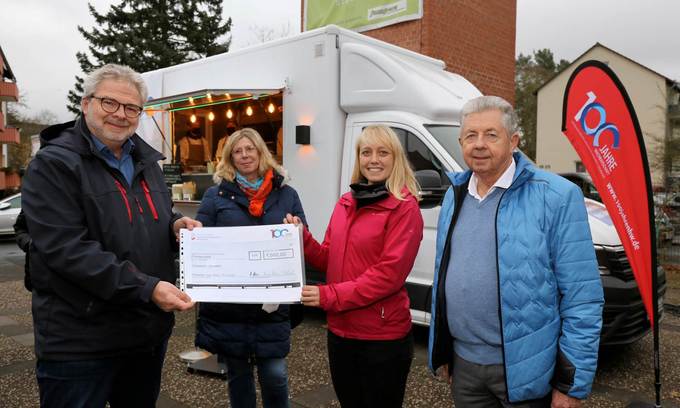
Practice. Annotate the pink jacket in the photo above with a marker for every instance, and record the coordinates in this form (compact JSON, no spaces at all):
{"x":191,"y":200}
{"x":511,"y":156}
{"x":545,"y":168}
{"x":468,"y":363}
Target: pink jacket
{"x":367,"y":255}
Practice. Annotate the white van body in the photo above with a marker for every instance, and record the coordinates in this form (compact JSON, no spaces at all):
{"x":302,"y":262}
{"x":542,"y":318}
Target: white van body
{"x":337,"y":82}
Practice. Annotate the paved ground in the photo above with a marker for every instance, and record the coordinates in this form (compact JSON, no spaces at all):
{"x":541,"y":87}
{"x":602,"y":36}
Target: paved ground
{"x":624,"y":375}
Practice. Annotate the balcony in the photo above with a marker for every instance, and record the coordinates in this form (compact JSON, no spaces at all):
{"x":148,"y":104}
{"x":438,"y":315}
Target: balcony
{"x":9,"y":92}
{"x":674,"y":111}
{"x":10,"y":135}
{"x":12,"y":181}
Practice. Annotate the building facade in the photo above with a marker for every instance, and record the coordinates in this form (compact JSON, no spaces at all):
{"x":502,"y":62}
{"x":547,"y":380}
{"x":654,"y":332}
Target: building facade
{"x":9,"y":180}
{"x":654,"y":97}
{"x":475,"y":38}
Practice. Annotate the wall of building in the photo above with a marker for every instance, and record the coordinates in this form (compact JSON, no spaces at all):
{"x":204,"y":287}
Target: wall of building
{"x":646,"y":89}
{"x":475,"y":38}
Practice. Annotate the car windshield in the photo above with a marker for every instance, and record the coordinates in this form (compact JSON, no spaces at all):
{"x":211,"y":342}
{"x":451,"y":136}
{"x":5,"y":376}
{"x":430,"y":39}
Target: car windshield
{"x":447,"y":136}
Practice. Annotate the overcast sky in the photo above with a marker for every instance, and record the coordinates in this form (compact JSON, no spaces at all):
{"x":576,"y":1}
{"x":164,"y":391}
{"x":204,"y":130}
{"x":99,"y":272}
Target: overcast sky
{"x":40,"y":39}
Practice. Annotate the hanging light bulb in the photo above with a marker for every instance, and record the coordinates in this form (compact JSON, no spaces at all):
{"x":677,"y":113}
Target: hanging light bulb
{"x":211,"y":116}
{"x":249,"y":111}
{"x":209,"y":96}
{"x":271,"y":108}
{"x":191,"y":100}
{"x":193,"y":118}
{"x":227,"y":95}
{"x":230,"y":114}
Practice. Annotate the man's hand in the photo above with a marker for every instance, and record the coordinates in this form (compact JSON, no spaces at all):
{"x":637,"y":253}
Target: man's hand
{"x":560,"y":400}
{"x":185,"y":222}
{"x":167,"y":297}
{"x":443,"y":373}
{"x":310,"y":296}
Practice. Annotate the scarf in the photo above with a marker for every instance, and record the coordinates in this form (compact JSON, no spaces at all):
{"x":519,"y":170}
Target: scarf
{"x":366,"y":194}
{"x":257,"y":192}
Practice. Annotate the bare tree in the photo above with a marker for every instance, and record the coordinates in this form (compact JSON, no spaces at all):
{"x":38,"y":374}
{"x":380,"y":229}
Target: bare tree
{"x":263,"y":34}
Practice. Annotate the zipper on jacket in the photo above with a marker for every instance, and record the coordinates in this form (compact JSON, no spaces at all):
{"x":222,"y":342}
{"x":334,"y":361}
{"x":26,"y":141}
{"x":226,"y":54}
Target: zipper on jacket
{"x":139,"y":206}
{"x":125,"y":198}
{"x":149,"y":200}
{"x":440,"y":295}
{"x":498,"y":286}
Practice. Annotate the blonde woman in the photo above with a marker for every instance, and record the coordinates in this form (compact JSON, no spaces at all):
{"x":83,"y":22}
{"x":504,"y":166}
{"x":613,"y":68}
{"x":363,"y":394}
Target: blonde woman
{"x":370,"y":246}
{"x":249,"y":190}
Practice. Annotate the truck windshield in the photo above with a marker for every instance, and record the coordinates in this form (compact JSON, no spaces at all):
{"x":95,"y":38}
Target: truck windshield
{"x":447,"y":136}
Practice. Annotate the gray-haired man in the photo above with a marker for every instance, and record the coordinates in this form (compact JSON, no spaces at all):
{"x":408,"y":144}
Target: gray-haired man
{"x":517,"y":298}
{"x":102,"y":248}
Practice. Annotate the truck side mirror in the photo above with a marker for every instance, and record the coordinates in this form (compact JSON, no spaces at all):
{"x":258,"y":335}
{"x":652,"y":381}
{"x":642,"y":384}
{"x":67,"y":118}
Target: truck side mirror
{"x":431,"y":189}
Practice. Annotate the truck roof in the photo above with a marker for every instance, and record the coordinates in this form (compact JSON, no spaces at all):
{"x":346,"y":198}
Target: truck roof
{"x":323,"y":31}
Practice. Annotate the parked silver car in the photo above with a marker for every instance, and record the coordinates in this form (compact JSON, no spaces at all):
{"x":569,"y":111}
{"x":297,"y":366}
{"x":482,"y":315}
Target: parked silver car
{"x":9,"y":210}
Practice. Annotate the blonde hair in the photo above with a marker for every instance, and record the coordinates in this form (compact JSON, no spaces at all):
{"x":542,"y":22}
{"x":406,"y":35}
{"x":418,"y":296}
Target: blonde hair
{"x":402,"y":174}
{"x":226,"y":169}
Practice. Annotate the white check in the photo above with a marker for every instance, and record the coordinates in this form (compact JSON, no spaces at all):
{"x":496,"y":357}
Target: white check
{"x":257,"y":264}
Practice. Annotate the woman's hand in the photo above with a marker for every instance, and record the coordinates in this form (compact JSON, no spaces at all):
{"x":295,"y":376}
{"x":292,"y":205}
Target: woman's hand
{"x":292,"y":219}
{"x":310,"y":295}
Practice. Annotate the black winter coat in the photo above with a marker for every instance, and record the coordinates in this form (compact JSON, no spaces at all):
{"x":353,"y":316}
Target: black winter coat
{"x":238,"y":330}
{"x":23,"y":241}
{"x":99,"y":247}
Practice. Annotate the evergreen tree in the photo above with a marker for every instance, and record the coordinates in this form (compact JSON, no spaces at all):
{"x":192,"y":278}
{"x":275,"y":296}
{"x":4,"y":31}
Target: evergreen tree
{"x":531,"y":72}
{"x":151,"y":34}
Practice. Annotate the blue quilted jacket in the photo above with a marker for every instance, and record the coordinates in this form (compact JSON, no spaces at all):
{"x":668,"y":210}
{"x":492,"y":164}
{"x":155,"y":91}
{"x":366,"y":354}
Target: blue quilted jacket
{"x":549,"y":286}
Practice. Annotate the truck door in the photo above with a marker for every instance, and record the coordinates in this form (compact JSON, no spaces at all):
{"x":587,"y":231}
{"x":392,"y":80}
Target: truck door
{"x":424,"y":160}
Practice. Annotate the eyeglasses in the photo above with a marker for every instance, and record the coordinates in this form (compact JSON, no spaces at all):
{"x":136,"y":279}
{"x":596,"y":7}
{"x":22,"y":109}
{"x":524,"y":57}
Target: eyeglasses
{"x":110,"y":105}
{"x":244,"y":151}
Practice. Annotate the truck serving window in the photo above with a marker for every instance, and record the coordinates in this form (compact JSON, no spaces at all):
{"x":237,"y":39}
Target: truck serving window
{"x":201,"y":121}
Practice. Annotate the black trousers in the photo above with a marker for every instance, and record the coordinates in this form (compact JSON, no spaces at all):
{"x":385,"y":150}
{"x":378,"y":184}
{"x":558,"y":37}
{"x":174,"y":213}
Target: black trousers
{"x":369,"y":373}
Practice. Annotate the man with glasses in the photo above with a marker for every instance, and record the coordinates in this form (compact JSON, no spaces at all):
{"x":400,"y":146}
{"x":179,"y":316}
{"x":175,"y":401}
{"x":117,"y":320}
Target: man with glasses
{"x":103,"y":243}
{"x":517,"y":298}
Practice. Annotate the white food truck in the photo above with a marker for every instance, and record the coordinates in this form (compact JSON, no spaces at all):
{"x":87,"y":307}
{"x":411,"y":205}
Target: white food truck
{"x":310,"y":96}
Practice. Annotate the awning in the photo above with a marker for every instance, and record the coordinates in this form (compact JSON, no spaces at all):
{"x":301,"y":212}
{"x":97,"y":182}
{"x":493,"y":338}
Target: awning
{"x":206,"y":97}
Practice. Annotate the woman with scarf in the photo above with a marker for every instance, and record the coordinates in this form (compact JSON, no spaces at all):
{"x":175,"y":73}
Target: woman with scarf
{"x":250,"y":190}
{"x":368,"y":251}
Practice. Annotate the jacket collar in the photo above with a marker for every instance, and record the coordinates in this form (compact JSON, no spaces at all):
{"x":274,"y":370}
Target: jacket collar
{"x":278,"y":181}
{"x":524,"y":169}
{"x":76,"y":136}
{"x":389,"y":203}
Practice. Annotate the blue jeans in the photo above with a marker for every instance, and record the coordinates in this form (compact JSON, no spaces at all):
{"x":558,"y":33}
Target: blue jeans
{"x":132,"y":380}
{"x":272,"y":374}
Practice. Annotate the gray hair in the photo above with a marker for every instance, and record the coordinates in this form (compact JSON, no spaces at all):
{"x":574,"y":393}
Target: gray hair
{"x":487,"y":103}
{"x":115,"y":72}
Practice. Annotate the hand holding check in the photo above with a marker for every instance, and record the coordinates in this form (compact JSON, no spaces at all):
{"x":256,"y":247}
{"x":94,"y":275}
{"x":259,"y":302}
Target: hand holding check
{"x":310,"y":294}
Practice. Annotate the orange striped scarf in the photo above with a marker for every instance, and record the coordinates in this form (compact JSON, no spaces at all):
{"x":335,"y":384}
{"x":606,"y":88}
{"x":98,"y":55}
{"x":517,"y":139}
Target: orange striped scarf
{"x":256,"y":198}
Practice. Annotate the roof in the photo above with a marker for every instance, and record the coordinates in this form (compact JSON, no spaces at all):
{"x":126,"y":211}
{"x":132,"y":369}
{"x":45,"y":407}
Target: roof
{"x":669,"y":81}
{"x":7,"y":71}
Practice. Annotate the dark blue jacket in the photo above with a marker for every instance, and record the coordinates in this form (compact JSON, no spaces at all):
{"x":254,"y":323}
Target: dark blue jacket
{"x":238,"y":330}
{"x":99,"y":247}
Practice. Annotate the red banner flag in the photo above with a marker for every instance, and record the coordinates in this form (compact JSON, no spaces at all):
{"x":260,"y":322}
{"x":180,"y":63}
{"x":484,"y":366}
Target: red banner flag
{"x":600,"y":122}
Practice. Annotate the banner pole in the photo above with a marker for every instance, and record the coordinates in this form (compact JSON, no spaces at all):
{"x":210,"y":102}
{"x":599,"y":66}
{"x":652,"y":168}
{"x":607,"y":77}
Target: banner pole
{"x":655,"y":272}
{"x":655,"y":317}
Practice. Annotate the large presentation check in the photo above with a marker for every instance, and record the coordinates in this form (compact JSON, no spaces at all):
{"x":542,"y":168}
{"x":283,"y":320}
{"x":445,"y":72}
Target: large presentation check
{"x":257,"y":264}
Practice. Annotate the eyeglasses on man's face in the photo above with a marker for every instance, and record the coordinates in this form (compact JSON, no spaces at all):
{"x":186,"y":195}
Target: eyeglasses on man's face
{"x":111,"y":105}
